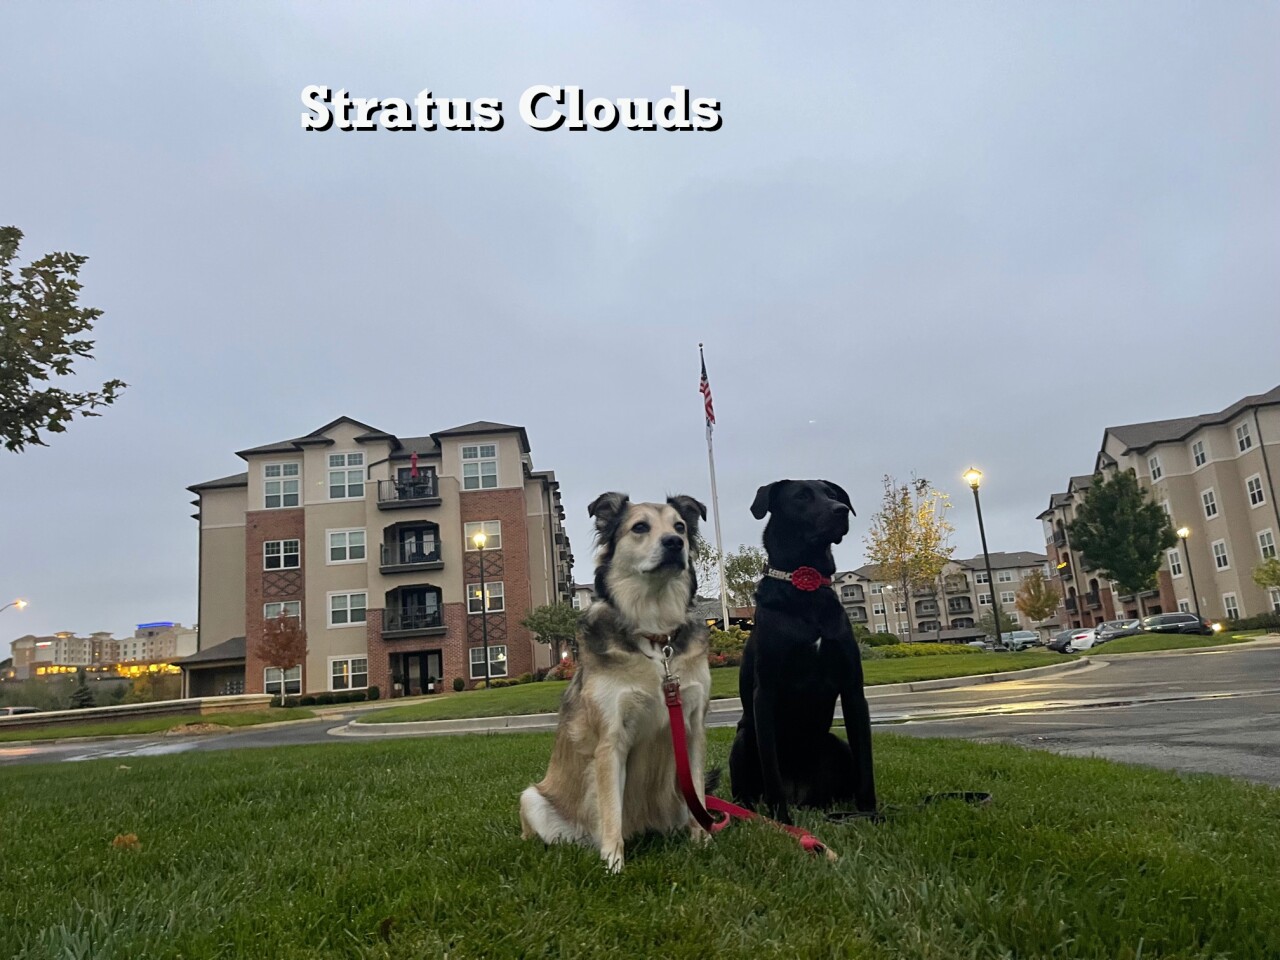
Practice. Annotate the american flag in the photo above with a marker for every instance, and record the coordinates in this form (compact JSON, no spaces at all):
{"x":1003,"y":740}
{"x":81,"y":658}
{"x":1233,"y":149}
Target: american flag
{"x":704,"y":387}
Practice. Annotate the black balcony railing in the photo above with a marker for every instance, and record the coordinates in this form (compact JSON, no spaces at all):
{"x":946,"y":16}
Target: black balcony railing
{"x":1070,"y":603}
{"x":858,"y":614}
{"x":960,"y":605}
{"x":1059,"y":538}
{"x":408,"y":491}
{"x":1066,"y":574}
{"x":413,"y":552}
{"x":412,"y":618}
{"x":1094,"y":600}
{"x":956,"y":585}
{"x":851,"y":594}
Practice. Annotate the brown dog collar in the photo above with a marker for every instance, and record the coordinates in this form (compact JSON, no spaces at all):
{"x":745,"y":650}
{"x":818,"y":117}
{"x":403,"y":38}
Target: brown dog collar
{"x":802,"y":578}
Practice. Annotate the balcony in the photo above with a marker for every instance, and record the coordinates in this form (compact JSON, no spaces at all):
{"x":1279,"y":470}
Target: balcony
{"x":1125,"y":598}
{"x":397,"y":494}
{"x":1059,"y":538}
{"x":956,"y":584}
{"x":851,"y":594}
{"x":960,"y":605}
{"x":857,"y":614}
{"x":1066,"y":573}
{"x":1094,"y":600}
{"x":926,"y":608}
{"x":411,"y":557}
{"x":1070,"y":604}
{"x":923,"y":591}
{"x":412,"y":622}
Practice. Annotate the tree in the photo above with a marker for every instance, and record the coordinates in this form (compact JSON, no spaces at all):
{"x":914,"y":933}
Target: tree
{"x":1267,"y":573}
{"x":1122,"y":532}
{"x":742,"y":571}
{"x":908,"y":538}
{"x":283,"y":645}
{"x":39,"y":327}
{"x":1037,"y":598}
{"x":81,"y":696}
{"x":987,"y":623}
{"x":553,"y":624}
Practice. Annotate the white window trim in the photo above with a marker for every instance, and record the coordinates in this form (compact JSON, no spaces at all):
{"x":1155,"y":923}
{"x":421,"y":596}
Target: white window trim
{"x":1261,"y":489}
{"x":328,"y":547}
{"x":877,"y":609}
{"x":1174,"y":557}
{"x":1154,"y":468}
{"x":328,"y":609}
{"x":1235,"y":602}
{"x":1225,"y":554}
{"x":980,"y":576}
{"x":1203,"y":454}
{"x":470,"y":544}
{"x":1204,"y":507}
{"x":328,"y":470}
{"x":282,"y":605}
{"x":281,"y":480}
{"x":1008,"y":593}
{"x":1184,"y":606}
{"x":348,"y":657}
{"x":1247,"y":434}
{"x":1274,"y":551}
{"x":463,"y":460}
{"x":506,"y":662}
{"x":488,"y":595}
{"x":982,"y":602}
{"x":283,"y":681}
{"x":1273,"y":594}
{"x":282,"y":542}
{"x":1004,"y":576}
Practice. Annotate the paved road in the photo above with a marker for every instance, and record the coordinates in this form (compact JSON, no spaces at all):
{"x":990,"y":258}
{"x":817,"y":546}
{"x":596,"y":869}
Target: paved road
{"x":1212,"y":711}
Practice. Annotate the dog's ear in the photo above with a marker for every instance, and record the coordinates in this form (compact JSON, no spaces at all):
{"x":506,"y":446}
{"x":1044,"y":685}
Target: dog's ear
{"x":690,"y":510}
{"x":837,"y":491}
{"x":763,"y":502}
{"x":608,"y":509}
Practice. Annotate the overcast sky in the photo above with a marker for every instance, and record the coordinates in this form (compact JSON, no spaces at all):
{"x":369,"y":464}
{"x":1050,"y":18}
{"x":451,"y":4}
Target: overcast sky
{"x":926,"y":236}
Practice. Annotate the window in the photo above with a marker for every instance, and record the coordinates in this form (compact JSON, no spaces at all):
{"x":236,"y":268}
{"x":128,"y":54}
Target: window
{"x":1006,"y":596}
{"x":280,"y":485}
{"x":1274,"y":594}
{"x":900,"y":607}
{"x":876,"y":589}
{"x":492,"y":591}
{"x":492,"y":534}
{"x":877,"y":609}
{"x":980,"y":577}
{"x":282,"y":682}
{"x":1253,"y":486}
{"x":346,"y":609}
{"x":497,"y":661}
{"x":881,"y":628}
{"x":577,"y":602}
{"x":984,"y":599}
{"x":1230,"y":606}
{"x":1266,"y":545}
{"x":904,"y":626}
{"x":480,"y":466}
{"x":1153,"y":463}
{"x":349,"y":673}
{"x":281,"y":555}
{"x":346,"y":546}
{"x":1220,"y":559}
{"x":346,"y":476}
{"x":1175,"y":563}
{"x":1210,"y":503}
{"x":286,"y":608}
{"x":1184,"y":606}
{"x":1197,"y":453}
{"x":1244,"y":440}
{"x":1164,"y":505}
{"x":1004,"y":576}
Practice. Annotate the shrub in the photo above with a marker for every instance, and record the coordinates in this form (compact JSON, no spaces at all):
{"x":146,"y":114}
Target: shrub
{"x":291,"y":701}
{"x":881,"y":639}
{"x":459,"y":684}
{"x":525,"y":678}
{"x":373,"y":693}
{"x":541,"y":674}
{"x":564,"y":670}
{"x":307,"y":701}
{"x":1263,"y":621}
{"x":903,"y":650}
{"x":277,"y":701}
{"x":728,"y":643}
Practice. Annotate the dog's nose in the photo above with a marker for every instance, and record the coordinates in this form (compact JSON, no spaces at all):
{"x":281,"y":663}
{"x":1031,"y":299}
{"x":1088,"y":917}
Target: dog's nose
{"x":672,"y":542}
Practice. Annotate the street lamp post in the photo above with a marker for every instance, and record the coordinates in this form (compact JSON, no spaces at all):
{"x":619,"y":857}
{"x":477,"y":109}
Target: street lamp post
{"x":1183,"y":533}
{"x":479,"y":540}
{"x":13,"y":603}
{"x":973,"y":477}
{"x":884,"y":605}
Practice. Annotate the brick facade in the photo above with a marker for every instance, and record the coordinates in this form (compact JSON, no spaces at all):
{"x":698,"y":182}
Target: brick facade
{"x":266,"y":586}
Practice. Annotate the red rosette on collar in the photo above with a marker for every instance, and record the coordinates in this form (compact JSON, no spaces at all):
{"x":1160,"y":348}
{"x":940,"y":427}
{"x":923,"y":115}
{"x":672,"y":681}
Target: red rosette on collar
{"x":808,"y":579}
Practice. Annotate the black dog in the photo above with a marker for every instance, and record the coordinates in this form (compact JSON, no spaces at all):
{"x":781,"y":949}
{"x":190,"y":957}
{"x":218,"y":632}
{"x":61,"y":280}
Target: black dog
{"x":802,"y":655}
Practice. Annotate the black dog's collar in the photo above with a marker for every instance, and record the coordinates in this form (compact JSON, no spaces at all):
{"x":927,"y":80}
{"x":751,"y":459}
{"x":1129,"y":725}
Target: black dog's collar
{"x":802,"y":578}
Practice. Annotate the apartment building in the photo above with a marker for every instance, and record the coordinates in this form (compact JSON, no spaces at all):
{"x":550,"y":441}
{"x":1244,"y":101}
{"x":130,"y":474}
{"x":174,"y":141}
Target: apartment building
{"x":1213,"y":474}
{"x":368,"y":538}
{"x":61,"y":652}
{"x":958,"y":602}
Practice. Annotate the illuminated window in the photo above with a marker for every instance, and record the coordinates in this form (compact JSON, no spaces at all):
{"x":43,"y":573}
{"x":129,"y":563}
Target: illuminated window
{"x":349,"y":673}
{"x":497,"y":661}
{"x":493,"y":592}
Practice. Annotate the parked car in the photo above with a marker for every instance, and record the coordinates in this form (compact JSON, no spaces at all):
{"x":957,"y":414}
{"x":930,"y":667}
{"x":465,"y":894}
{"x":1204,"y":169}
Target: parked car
{"x":1020,"y":640}
{"x":980,"y":645}
{"x":1117,"y":628}
{"x":17,"y":711}
{"x":1177,"y":623}
{"x":1061,"y":640}
{"x":1082,"y":639}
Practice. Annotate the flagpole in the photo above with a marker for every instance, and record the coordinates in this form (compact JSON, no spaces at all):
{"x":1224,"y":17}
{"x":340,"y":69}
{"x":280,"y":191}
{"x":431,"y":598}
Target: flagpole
{"x":715,"y":514}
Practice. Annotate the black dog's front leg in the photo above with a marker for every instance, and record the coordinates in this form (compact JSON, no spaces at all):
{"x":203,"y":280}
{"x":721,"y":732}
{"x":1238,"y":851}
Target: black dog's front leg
{"x":857,"y":725}
{"x":775,"y":794}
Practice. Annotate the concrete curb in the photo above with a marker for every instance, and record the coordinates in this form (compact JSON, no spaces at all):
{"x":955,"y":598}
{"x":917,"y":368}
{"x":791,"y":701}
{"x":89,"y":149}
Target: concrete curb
{"x":107,"y":738}
{"x":543,"y":721}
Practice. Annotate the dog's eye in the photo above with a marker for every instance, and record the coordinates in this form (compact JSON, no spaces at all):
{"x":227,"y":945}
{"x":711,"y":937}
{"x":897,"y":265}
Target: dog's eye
{"x":640,"y":527}
{"x":679,"y":527}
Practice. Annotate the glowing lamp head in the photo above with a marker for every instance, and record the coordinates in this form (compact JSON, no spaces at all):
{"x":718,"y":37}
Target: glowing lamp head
{"x":973,"y":477}
{"x":1184,"y":532}
{"x":479,"y":539}
{"x":19,"y":604}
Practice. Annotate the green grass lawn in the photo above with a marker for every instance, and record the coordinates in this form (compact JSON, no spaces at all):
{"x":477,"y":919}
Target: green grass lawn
{"x":411,"y":849}
{"x":545,"y":697}
{"x":106,"y":728}
{"x":1146,"y":642}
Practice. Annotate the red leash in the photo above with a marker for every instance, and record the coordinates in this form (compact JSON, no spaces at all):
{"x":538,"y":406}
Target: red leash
{"x":671,"y":691}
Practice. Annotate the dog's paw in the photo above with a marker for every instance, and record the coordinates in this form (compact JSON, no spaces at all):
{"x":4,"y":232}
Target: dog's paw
{"x":697,"y":834}
{"x":612,"y":859}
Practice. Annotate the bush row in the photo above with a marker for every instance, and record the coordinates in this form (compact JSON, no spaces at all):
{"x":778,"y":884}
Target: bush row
{"x":900,"y":651}
{"x":325,"y":699}
{"x":1263,"y":621}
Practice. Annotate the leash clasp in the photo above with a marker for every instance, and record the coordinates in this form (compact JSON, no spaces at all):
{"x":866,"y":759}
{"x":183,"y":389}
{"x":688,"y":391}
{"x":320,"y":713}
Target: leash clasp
{"x":670,"y":681}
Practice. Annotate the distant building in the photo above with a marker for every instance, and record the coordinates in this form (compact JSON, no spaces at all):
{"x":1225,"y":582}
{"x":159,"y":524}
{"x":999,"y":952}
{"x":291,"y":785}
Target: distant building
{"x":151,"y":644}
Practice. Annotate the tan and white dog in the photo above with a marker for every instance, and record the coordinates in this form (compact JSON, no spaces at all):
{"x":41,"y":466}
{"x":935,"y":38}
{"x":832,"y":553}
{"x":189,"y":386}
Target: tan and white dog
{"x":612,"y":774}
